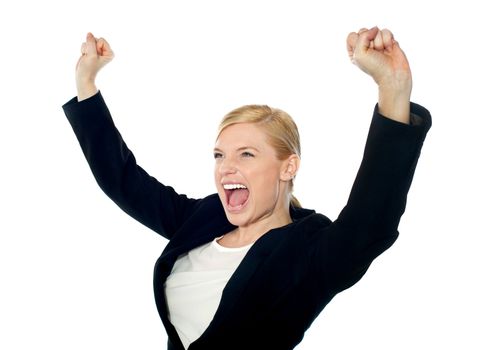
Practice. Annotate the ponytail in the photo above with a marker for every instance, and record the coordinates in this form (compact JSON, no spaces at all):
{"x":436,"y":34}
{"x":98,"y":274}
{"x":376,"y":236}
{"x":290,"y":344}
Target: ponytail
{"x":294,"y":202}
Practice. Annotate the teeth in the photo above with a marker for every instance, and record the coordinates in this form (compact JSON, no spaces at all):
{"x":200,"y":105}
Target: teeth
{"x":233,"y":186}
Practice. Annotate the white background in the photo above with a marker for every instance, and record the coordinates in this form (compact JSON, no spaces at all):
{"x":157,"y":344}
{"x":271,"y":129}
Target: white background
{"x":76,"y":272}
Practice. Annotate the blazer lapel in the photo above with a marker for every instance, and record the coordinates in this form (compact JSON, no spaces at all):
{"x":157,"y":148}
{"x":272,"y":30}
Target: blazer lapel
{"x":241,"y":277}
{"x":164,"y":264}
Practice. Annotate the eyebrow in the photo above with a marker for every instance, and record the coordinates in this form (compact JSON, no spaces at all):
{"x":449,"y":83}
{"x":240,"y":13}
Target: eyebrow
{"x":240,"y":149}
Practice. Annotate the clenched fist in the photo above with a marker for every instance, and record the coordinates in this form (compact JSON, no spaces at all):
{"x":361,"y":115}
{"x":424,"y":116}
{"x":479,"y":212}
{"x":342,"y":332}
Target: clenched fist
{"x":378,"y":54}
{"x":95,"y":54}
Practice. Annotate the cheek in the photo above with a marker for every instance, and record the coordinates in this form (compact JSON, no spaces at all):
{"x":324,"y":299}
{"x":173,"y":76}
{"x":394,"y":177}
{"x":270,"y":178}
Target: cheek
{"x":216,"y":173}
{"x":217,"y":179}
{"x":267,"y":184}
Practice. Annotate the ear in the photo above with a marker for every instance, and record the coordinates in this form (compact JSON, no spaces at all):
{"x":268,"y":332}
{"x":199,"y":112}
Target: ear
{"x":290,"y":167}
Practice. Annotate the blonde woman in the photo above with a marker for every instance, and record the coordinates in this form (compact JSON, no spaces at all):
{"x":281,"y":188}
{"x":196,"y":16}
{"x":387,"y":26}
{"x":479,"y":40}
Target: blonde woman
{"x":248,"y":267}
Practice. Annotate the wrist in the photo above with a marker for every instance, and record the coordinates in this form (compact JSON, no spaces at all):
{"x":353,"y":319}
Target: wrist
{"x":85,"y":90}
{"x":395,"y":104}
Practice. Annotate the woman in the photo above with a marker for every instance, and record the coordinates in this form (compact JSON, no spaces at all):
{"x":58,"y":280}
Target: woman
{"x":248,"y":267}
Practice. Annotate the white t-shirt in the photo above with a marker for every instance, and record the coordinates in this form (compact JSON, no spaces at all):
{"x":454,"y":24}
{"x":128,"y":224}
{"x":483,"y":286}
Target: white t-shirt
{"x":194,"y":288}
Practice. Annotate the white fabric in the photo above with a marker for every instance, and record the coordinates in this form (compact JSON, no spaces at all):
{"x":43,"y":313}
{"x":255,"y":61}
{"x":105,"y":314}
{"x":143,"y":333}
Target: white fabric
{"x":194,"y":287}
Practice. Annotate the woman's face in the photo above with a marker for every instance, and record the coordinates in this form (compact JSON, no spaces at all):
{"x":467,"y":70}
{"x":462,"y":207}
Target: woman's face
{"x":251,"y":182}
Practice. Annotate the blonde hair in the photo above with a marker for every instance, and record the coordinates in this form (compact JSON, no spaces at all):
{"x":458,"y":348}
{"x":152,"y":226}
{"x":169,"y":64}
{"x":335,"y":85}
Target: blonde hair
{"x":280,"y":128}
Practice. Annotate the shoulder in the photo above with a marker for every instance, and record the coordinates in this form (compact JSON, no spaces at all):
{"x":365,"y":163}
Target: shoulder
{"x":309,"y":222}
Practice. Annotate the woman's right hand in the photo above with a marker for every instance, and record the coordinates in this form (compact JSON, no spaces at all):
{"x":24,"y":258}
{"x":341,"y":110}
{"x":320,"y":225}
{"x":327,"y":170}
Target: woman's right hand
{"x":95,"y":54}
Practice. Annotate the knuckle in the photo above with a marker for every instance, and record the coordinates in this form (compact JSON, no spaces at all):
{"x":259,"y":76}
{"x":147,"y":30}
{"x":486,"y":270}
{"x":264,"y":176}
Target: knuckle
{"x":387,"y":34}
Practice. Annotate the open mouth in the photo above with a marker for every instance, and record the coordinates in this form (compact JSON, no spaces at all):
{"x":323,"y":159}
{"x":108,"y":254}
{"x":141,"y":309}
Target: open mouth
{"x":236,"y":196}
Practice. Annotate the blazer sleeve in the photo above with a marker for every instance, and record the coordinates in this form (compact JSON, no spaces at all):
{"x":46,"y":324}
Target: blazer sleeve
{"x":368,"y":223}
{"x":116,"y":171}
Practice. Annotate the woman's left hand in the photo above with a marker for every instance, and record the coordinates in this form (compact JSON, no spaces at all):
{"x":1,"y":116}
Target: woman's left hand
{"x":378,"y":54}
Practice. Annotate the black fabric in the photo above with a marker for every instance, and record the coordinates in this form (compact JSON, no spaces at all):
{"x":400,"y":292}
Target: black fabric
{"x":290,"y":273}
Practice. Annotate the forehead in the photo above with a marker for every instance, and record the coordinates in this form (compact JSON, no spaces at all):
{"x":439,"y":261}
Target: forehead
{"x":242,"y":135}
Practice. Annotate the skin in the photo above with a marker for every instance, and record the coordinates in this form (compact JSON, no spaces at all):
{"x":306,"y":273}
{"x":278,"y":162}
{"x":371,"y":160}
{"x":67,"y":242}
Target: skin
{"x":378,"y":54}
{"x":374,"y":51}
{"x":243,"y":155}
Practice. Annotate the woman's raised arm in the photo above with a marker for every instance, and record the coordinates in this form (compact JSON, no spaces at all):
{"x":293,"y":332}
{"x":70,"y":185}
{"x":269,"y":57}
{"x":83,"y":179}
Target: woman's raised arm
{"x":113,"y":165}
{"x":368,"y":224}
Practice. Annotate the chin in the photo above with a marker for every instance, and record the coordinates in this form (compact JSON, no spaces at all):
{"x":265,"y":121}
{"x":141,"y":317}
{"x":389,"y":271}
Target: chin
{"x":239,"y":220}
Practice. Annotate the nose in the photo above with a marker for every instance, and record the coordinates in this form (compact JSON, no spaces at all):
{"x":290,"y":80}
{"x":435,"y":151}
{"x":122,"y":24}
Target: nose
{"x":227,"y":166}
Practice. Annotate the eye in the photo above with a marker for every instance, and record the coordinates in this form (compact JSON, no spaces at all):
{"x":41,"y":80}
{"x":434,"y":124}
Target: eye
{"x":217,"y":155}
{"x":247,"y":154}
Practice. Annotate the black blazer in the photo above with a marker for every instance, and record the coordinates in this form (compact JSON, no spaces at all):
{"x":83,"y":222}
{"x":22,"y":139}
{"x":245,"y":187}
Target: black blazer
{"x":290,"y":273}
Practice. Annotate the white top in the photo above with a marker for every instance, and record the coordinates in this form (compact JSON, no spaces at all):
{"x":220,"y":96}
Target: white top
{"x":194,"y":288}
